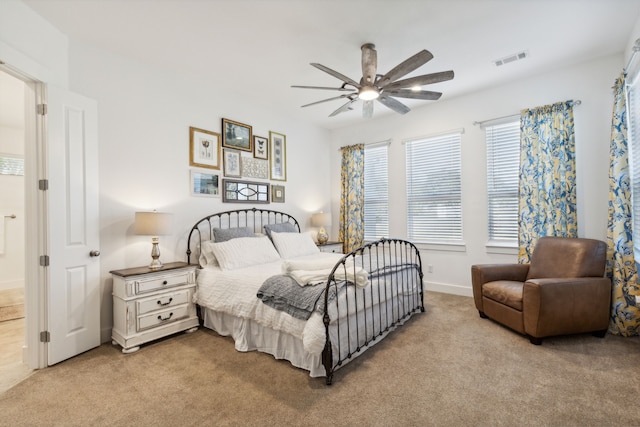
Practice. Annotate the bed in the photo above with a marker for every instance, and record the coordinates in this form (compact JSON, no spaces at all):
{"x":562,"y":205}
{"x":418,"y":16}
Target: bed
{"x":266,"y":284}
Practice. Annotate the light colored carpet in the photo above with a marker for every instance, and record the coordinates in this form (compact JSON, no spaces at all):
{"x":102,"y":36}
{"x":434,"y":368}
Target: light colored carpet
{"x":444,"y":367}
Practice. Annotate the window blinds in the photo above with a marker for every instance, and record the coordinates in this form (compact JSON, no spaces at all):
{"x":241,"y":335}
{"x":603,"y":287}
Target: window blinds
{"x":633,"y":103}
{"x":434,"y":189}
{"x":503,"y":160}
{"x":376,"y":192}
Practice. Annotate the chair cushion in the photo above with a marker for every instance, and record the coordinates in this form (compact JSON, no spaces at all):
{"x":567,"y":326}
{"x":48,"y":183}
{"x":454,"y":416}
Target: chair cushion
{"x":564,"y":257}
{"x":505,"y":292}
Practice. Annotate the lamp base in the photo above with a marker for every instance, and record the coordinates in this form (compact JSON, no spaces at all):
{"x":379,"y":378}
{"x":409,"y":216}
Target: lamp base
{"x":323,"y":237}
{"x":155,"y":264}
{"x":155,"y":254}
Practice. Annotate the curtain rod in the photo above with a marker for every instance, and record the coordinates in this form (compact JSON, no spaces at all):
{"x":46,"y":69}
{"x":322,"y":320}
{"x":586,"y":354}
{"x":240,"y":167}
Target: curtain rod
{"x":635,"y":49}
{"x":483,"y":122}
{"x":383,"y":142}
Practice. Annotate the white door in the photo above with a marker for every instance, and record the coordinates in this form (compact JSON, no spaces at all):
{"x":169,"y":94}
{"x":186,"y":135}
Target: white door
{"x":73,"y":293}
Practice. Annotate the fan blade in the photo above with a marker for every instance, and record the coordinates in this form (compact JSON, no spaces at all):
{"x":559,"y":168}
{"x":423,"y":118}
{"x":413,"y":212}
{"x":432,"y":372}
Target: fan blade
{"x":342,"y":89}
{"x":395,"y":105}
{"x":367,"y":109}
{"x":336,"y":74}
{"x":325,"y":100}
{"x":344,"y":108}
{"x":369,"y":64}
{"x":427,"y":79}
{"x":405,"y":67}
{"x":408,"y":93}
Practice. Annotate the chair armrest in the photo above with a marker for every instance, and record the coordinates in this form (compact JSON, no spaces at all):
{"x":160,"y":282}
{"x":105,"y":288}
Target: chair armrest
{"x":563,"y":306}
{"x":485,"y":273}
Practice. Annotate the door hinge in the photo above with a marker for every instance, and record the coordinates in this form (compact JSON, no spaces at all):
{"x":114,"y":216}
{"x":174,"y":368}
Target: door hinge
{"x":42,"y":109}
{"x":43,"y":184}
{"x":45,"y":336}
{"x":44,"y":260}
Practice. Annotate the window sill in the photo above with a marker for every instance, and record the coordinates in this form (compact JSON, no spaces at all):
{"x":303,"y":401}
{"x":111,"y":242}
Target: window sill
{"x":442,"y":246}
{"x":497,"y":247}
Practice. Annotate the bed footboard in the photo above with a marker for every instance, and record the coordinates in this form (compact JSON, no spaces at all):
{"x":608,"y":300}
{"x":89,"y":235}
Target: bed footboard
{"x":365,"y":315}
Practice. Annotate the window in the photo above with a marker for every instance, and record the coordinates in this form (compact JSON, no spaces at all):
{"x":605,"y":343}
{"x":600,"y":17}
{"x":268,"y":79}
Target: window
{"x":376,"y":191}
{"x":503,"y":160}
{"x":633,"y":114}
{"x":434,"y":189}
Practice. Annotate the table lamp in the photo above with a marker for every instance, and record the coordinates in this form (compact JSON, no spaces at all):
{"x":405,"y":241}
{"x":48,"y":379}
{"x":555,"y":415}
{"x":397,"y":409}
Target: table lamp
{"x":321,"y":220}
{"x":153,"y":224}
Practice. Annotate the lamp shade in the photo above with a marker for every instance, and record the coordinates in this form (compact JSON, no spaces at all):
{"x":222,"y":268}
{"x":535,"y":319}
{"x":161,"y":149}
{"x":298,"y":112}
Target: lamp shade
{"x":153,"y":223}
{"x":321,"y":219}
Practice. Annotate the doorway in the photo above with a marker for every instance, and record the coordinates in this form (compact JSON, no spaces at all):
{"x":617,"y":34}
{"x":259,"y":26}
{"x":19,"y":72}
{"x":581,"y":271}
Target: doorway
{"x":13,"y":366}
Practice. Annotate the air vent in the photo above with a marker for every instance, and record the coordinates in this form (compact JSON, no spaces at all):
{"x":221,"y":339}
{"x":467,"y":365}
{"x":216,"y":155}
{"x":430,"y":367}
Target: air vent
{"x":511,"y":58}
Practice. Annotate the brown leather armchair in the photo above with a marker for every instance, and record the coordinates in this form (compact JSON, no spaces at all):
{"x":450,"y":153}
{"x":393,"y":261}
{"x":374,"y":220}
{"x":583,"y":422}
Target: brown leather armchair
{"x":562,"y":291}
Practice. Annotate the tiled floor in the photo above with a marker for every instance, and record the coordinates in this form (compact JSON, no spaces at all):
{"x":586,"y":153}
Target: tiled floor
{"x":12,"y":370}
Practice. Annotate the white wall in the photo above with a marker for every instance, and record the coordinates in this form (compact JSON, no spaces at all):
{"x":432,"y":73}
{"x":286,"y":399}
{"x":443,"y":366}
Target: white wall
{"x":591,"y":83}
{"x":144,"y":116}
{"x":31,"y":44}
{"x":12,"y":191}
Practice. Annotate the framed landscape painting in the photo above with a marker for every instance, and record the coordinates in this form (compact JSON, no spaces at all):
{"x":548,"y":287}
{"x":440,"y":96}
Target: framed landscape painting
{"x":204,"y":184}
{"x":237,"y":135}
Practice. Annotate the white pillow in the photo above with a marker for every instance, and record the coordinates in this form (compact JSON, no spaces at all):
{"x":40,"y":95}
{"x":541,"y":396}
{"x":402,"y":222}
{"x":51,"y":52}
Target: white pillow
{"x":244,"y":252}
{"x":207,"y":257}
{"x":291,"y":245}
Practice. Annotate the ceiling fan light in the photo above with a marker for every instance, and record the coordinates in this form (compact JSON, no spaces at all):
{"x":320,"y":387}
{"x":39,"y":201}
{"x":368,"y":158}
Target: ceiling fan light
{"x":368,"y":93}
{"x":416,"y":88}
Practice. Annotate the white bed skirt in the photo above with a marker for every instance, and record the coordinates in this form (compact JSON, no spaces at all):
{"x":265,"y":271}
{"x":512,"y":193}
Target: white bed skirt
{"x":249,"y":335}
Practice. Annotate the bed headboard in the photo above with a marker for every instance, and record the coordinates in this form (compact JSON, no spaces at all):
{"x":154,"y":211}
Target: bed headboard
{"x":253,"y":217}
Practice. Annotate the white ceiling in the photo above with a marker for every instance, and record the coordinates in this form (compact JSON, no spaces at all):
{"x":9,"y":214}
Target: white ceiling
{"x":259,"y":48}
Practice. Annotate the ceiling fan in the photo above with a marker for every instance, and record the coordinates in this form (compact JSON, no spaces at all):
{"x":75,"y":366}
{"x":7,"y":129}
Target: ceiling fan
{"x":384,"y":88}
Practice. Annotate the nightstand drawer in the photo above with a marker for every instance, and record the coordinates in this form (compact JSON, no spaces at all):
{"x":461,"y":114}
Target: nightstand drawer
{"x":331,"y":247}
{"x":161,"y":301}
{"x":167,"y":281}
{"x":163,"y":317}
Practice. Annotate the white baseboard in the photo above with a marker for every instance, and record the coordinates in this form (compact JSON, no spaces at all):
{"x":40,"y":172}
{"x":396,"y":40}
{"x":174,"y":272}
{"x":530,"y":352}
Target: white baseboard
{"x":446,"y":288}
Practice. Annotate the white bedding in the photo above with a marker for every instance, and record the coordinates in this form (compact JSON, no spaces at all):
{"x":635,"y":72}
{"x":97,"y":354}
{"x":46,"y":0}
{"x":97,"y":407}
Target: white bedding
{"x":234,"y":292}
{"x":229,"y":294}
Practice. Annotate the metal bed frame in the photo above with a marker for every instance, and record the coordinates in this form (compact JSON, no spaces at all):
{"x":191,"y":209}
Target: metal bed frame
{"x":400,"y":294}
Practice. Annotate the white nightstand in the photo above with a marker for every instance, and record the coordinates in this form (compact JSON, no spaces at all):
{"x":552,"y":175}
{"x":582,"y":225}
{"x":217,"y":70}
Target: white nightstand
{"x":335,"y":247}
{"x":150,"y":304}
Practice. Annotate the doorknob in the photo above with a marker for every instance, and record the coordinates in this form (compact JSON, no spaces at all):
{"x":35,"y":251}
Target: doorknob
{"x":94,"y":253}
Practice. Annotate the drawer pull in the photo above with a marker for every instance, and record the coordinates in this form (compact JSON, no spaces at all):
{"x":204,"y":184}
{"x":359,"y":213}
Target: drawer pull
{"x":164,"y":282}
{"x":160,"y":303}
{"x":166,"y":318}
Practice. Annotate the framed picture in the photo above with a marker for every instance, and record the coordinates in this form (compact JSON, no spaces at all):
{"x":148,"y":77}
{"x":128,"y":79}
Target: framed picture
{"x":254,"y":168}
{"x":278,"y":150}
{"x":204,"y":148}
{"x":277,"y":193}
{"x":244,"y":192}
{"x":260,"y":147}
{"x":204,"y":184}
{"x":232,"y":163}
{"x":236,"y":135}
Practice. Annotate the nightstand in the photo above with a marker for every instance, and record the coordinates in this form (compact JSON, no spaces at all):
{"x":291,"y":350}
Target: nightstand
{"x":150,"y":304}
{"x":335,"y":247}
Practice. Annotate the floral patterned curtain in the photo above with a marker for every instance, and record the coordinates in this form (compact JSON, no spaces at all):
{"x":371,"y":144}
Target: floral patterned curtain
{"x":621,"y":265}
{"x":352,"y":198}
{"x":547,"y":200}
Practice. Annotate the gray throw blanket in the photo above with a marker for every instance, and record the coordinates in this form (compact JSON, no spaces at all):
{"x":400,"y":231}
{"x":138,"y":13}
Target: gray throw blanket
{"x":283,"y":293}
